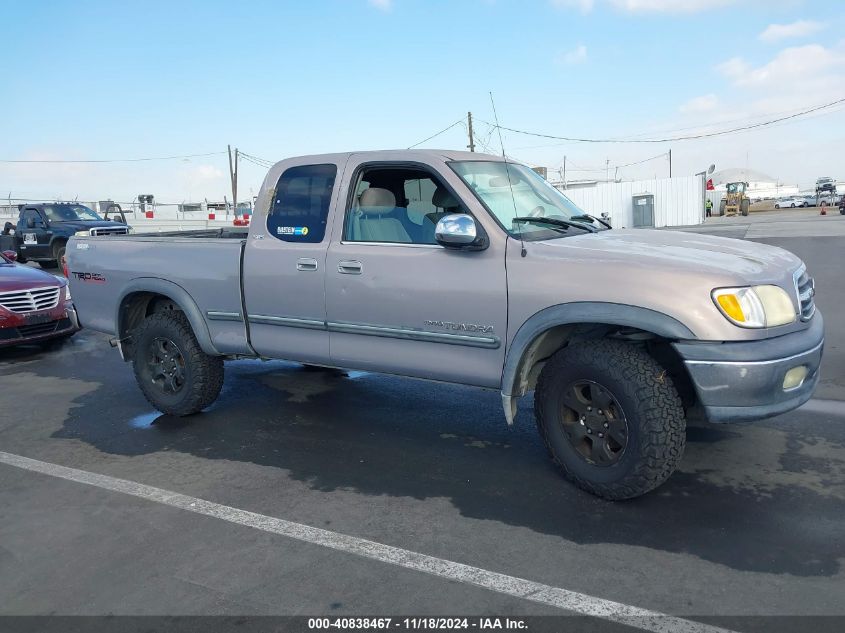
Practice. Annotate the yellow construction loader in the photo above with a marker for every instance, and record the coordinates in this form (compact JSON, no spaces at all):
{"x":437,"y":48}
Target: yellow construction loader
{"x":735,"y":201}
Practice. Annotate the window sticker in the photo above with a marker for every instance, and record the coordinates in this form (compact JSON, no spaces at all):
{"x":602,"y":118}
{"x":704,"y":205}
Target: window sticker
{"x":292,"y":230}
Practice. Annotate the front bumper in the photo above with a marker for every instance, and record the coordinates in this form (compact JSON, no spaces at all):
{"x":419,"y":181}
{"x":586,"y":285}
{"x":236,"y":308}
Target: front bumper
{"x":744,"y":381}
{"x":65,"y":322}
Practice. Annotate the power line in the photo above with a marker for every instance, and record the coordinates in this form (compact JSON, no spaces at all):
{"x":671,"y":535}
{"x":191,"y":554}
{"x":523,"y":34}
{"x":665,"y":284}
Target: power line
{"x":114,"y":160}
{"x":676,"y":138}
{"x":444,"y":130}
{"x":262,"y":162}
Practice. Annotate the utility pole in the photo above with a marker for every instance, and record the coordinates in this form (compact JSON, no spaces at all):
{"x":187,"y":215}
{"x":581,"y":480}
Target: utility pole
{"x":233,"y":174}
{"x":469,"y":131}
{"x":564,"y":172}
{"x":670,"y":163}
{"x":607,"y":170}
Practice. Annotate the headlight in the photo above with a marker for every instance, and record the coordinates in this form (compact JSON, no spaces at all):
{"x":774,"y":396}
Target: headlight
{"x":84,"y":232}
{"x":760,"y":306}
{"x":67,"y":292}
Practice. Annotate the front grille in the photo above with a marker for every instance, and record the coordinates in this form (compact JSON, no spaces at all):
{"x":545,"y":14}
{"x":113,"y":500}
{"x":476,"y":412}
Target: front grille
{"x":38,"y":330}
{"x":110,"y":231}
{"x":30,"y":300}
{"x":805,"y":286}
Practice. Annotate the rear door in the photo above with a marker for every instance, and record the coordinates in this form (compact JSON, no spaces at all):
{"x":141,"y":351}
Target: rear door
{"x":284,"y":263}
{"x":398,"y":302}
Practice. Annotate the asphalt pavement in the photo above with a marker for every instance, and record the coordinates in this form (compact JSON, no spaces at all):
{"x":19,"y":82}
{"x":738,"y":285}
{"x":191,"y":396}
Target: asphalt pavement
{"x":362,"y":494}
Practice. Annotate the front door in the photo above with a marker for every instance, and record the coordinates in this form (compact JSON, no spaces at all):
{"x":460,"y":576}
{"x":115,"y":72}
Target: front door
{"x":35,"y":235}
{"x":398,"y":302}
{"x":284,"y":264}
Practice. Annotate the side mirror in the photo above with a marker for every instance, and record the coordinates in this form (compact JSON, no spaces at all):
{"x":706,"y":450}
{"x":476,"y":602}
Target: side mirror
{"x":458,"y":230}
{"x":11,"y":255}
{"x":30,"y":223}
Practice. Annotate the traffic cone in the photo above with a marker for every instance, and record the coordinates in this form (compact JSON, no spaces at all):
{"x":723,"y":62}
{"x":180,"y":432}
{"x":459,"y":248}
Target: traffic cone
{"x":824,"y":210}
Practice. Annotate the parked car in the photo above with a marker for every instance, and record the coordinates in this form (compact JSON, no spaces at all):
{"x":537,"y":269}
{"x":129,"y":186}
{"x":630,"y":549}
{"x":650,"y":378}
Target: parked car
{"x":791,"y":202}
{"x":809,"y":199}
{"x":826,"y":184}
{"x":35,"y":306}
{"x":466,"y":268}
{"x":43,"y":229}
{"x":842,"y":205}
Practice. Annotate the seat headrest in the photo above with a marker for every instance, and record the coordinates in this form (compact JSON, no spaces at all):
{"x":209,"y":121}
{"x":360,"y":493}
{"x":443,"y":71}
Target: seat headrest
{"x":375,"y":201}
{"x":443,"y":199}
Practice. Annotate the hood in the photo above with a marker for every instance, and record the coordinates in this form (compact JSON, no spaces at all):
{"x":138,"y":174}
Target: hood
{"x":19,"y":277}
{"x":78,"y":225}
{"x":738,"y":260}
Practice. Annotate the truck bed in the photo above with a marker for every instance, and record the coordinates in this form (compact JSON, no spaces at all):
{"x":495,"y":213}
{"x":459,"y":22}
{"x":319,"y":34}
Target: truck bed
{"x":200,"y":270}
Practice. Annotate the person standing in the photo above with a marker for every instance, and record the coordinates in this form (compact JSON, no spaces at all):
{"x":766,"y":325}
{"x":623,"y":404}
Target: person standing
{"x":708,"y":207}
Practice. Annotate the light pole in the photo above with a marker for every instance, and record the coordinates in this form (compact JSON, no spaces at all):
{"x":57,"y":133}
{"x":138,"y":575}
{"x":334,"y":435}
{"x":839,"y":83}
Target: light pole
{"x":704,"y":175}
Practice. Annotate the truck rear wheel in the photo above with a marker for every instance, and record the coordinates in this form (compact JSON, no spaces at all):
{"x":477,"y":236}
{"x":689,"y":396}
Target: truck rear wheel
{"x":173,"y":372}
{"x":611,"y":418}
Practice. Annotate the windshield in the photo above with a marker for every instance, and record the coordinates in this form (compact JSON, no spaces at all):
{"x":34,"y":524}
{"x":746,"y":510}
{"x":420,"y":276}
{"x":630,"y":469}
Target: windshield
{"x":510,"y":190}
{"x":69,"y":213}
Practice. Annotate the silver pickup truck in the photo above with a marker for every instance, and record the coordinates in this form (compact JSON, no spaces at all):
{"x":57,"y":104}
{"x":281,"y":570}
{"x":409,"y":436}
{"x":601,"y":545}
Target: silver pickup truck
{"x":467,"y":268}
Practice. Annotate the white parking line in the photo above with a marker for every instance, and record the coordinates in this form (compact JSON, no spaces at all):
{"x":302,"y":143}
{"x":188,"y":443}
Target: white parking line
{"x":572,"y":601}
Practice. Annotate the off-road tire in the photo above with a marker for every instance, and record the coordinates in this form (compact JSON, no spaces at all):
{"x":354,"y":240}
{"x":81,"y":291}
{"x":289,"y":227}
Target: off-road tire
{"x":203,"y":373}
{"x":651,"y":405}
{"x":744,"y":207}
{"x":722,"y":205}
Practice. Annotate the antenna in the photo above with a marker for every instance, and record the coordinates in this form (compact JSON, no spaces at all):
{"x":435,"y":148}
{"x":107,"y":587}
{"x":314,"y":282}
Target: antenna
{"x":522,"y":251}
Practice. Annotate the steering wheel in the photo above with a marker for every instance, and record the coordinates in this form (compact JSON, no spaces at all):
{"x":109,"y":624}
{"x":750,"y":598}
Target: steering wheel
{"x":537,"y":212}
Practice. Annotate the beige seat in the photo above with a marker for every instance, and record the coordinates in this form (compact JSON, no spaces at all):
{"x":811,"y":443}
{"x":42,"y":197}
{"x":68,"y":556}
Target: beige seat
{"x":444,"y":200}
{"x":374,"y":220}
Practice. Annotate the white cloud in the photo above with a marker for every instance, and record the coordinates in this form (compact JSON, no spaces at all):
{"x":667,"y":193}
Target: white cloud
{"x":801,"y":28}
{"x":697,"y":105}
{"x":577,"y":55}
{"x":381,"y":5}
{"x":801,"y":64}
{"x":646,"y":6}
{"x":670,"y":6}
{"x":734,"y":67}
{"x":585,"y":6}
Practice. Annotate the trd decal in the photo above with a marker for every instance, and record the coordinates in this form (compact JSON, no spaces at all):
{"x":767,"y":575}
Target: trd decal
{"x":95,"y":278}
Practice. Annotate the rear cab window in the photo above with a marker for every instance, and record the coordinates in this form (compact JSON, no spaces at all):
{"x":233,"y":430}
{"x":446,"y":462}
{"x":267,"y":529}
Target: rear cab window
{"x":300,"y":206}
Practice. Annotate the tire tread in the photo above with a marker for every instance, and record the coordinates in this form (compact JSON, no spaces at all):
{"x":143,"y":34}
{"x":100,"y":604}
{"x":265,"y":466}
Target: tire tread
{"x":207,"y":371}
{"x":661,"y":414}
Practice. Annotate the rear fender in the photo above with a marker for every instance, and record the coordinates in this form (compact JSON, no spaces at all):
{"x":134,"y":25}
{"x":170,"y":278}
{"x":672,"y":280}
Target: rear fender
{"x":175,"y":293}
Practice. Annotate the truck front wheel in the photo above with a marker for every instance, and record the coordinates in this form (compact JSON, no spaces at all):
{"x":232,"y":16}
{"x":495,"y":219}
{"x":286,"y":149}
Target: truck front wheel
{"x":173,"y":372}
{"x":610,"y":417}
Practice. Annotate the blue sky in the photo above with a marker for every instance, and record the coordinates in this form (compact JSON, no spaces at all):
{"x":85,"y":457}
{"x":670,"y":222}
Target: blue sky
{"x":97,"y":80}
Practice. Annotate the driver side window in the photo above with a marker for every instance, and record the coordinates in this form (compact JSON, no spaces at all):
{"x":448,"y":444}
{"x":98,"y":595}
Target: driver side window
{"x":398,"y":205}
{"x":32,"y":219}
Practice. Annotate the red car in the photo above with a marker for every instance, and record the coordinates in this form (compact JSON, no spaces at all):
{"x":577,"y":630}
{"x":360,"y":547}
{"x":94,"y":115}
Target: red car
{"x":35,"y":306}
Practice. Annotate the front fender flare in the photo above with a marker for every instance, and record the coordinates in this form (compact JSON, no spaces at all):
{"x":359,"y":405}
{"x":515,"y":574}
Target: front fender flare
{"x":180,"y":296}
{"x":514,"y":373}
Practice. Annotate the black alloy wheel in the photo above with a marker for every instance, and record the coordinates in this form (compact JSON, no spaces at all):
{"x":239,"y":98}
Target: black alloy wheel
{"x":165,"y":367}
{"x":594,"y":423}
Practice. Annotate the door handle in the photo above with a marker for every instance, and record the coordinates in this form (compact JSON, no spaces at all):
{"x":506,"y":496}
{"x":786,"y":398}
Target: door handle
{"x":306,"y":263}
{"x":350,"y":267}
